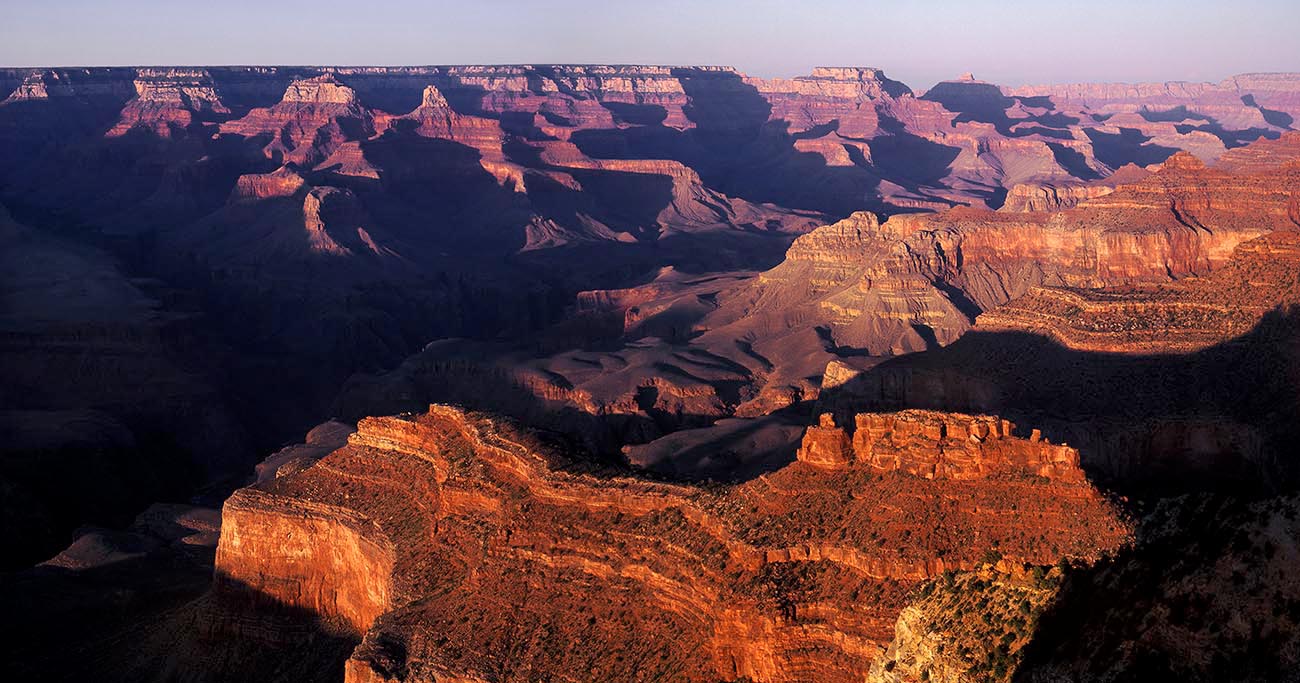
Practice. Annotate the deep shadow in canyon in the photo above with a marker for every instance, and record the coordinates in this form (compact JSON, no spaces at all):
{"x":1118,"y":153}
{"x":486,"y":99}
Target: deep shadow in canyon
{"x":1146,"y":426}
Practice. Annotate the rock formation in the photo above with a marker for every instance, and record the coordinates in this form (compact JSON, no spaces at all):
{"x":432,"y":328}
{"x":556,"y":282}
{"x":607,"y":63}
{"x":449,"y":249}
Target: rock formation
{"x":454,"y":545}
{"x":937,"y":446}
{"x":858,"y":291}
{"x":168,"y":101}
{"x":312,"y":121}
{"x":1179,"y":317}
{"x":1158,"y":384}
{"x":1049,"y":197}
{"x":917,"y":281}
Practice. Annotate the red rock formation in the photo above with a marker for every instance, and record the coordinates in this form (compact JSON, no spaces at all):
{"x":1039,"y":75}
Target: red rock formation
{"x":313,"y":120}
{"x":938,"y":446}
{"x":1179,"y":317}
{"x":435,"y":118}
{"x":862,"y":287}
{"x":409,"y":195}
{"x":282,"y":182}
{"x":316,"y":557}
{"x":1049,"y":197}
{"x":461,"y":547}
{"x":916,"y":280}
{"x":169,"y":100}
{"x":826,"y":445}
{"x":337,"y":225}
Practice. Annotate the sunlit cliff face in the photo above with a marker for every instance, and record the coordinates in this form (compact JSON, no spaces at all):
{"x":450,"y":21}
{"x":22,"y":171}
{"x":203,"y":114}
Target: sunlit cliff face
{"x":422,"y":521}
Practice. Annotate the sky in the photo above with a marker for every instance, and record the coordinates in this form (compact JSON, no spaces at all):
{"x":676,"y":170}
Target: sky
{"x":1010,"y":42}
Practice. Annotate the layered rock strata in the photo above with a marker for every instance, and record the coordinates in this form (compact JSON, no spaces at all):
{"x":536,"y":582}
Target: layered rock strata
{"x":937,"y":446}
{"x":919,"y":281}
{"x":1186,"y":316}
{"x":455,"y":546}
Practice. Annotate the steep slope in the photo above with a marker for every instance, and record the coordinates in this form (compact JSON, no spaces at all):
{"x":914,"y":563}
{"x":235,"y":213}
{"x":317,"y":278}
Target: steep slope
{"x":1177,"y":317}
{"x":858,"y":286}
{"x":1205,"y":594}
{"x":1209,"y":593}
{"x":460,"y":547}
{"x":968,"y":626}
{"x":1179,"y":386}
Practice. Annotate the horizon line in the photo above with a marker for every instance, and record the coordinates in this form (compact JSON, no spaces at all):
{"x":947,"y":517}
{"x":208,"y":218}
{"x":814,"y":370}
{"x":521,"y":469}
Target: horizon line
{"x":534,"y":64}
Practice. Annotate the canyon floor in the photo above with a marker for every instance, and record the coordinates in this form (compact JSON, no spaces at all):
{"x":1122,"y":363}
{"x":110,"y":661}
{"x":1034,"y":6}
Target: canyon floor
{"x":576,"y":373}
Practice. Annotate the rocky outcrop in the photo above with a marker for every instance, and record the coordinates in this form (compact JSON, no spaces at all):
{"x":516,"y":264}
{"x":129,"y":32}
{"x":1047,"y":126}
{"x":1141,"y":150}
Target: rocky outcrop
{"x":1159,"y":385}
{"x":435,"y":118}
{"x":937,"y":446}
{"x":168,"y":101}
{"x":826,"y":445}
{"x":337,"y":225}
{"x":322,"y":440}
{"x":1049,"y":197}
{"x":920,"y":281}
{"x":314,"y":557}
{"x":313,"y":120}
{"x":857,"y":282}
{"x":415,"y":525}
{"x":285,"y":181}
{"x":1181,"y":317}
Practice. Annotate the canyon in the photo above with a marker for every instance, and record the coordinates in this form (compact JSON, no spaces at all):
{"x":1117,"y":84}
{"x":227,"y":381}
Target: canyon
{"x":584,"y":372}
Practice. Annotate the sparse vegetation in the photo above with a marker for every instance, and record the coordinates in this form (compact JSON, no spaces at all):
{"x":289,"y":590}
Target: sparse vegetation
{"x":982,"y":620}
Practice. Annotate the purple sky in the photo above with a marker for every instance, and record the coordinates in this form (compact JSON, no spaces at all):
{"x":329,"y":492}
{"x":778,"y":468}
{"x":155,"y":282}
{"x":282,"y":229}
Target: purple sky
{"x":919,"y":42}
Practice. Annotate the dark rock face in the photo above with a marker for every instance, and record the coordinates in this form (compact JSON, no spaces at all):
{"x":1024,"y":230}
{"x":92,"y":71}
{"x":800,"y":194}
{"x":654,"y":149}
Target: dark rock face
{"x":107,"y":402}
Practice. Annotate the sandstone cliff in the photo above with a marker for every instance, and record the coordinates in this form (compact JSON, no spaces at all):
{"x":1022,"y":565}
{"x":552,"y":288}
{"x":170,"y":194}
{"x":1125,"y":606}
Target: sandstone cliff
{"x":920,"y":281}
{"x":937,"y":446}
{"x":1180,"y":317}
{"x":460,"y":547}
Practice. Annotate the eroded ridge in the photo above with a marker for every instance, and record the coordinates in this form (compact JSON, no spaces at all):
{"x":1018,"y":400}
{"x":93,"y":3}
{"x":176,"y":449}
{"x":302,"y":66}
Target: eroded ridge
{"x":936,"y":445}
{"x":458,"y":546}
{"x":1176,"y":317}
